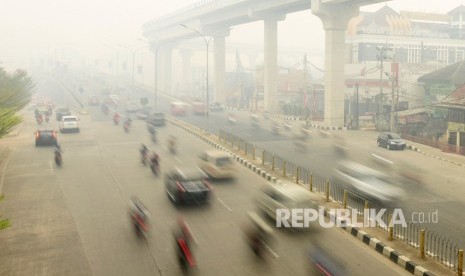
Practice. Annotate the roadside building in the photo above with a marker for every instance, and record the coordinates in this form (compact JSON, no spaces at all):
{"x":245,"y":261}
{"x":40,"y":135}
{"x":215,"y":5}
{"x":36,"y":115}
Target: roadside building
{"x":455,"y":105}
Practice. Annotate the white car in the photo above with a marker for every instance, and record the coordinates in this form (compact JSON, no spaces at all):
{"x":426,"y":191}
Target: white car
{"x":218,"y":164}
{"x":285,"y":196}
{"x":69,"y":124}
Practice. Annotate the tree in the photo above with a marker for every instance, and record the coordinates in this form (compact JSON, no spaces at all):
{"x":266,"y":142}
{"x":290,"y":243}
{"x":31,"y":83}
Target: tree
{"x":15,"y":94}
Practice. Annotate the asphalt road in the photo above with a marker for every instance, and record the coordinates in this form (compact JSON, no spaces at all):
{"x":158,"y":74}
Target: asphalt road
{"x":440,"y":190}
{"x":73,"y":220}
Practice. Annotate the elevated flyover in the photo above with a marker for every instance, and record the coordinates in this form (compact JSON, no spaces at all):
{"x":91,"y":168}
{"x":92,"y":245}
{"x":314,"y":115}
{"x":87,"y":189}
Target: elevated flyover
{"x":214,"y":19}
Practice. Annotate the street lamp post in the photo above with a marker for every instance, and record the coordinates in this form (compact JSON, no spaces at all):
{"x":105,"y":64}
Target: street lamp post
{"x":207,"y":43}
{"x":133,"y":66}
{"x":117,"y":65}
{"x":155,"y":72}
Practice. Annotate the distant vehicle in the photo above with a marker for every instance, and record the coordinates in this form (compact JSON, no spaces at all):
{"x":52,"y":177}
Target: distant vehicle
{"x":69,"y":124}
{"x":218,"y":164}
{"x":114,"y":97}
{"x":216,"y":106}
{"x":46,"y":137}
{"x":132,"y":107}
{"x":199,"y":108}
{"x":93,"y":100}
{"x":285,"y":196}
{"x":41,"y":110}
{"x":178,"y":108}
{"x":371,"y":184}
{"x":63,"y":111}
{"x":144,"y":113}
{"x":390,"y":141}
{"x":156,"y":119}
{"x":187,"y":185}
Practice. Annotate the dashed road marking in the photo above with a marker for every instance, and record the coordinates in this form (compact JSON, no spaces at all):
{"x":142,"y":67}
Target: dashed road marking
{"x":224,"y":204}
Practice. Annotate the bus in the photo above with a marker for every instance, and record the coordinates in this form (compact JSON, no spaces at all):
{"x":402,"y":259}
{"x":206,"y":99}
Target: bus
{"x":178,"y":108}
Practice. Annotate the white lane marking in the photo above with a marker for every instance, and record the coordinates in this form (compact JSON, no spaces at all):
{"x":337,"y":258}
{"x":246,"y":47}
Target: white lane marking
{"x":179,"y":160}
{"x":271,"y":251}
{"x":224,"y":204}
{"x":382,"y":159}
{"x":51,"y":165}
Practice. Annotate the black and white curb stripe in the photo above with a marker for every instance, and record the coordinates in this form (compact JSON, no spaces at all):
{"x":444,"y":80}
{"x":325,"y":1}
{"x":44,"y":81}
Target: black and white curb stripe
{"x":381,"y":247}
{"x":415,"y":148}
{"x":374,"y":243}
{"x":239,"y":159}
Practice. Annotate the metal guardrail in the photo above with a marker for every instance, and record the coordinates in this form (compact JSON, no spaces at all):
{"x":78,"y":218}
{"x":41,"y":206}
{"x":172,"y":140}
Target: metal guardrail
{"x":430,"y":243}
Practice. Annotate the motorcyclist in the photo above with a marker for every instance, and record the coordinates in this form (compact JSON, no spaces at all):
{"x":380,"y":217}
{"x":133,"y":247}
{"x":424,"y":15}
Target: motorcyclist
{"x":105,"y":109}
{"x":259,"y":234}
{"x":116,"y":118}
{"x":144,"y":151}
{"x":39,"y":119}
{"x":155,"y":159}
{"x":57,"y":152}
{"x":139,"y":215}
{"x":172,"y":143}
{"x":184,"y":241}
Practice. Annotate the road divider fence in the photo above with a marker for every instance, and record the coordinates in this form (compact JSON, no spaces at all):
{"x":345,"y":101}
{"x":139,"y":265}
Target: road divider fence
{"x":428,"y":242}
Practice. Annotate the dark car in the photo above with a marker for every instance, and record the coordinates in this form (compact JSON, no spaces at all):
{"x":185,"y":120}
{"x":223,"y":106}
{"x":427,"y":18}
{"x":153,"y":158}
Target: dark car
{"x":62,"y":111}
{"x":156,"y":119}
{"x":187,"y":185}
{"x":217,"y":107}
{"x":390,"y":141}
{"x":46,"y":137}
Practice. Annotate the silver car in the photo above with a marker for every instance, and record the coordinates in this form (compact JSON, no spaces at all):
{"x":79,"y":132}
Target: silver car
{"x":371,"y":184}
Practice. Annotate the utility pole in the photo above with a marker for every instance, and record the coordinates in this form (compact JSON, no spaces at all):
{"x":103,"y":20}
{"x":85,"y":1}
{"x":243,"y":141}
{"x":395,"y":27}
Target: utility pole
{"x":356,"y":106}
{"x":304,"y":100}
{"x":394,"y":76}
{"x":381,"y":56}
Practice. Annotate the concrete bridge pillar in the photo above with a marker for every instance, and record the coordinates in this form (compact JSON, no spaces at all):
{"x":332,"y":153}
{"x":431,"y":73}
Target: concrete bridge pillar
{"x":335,"y":18}
{"x":186,"y":83}
{"x":270,"y":65}
{"x":219,"y":67}
{"x":165,"y":65}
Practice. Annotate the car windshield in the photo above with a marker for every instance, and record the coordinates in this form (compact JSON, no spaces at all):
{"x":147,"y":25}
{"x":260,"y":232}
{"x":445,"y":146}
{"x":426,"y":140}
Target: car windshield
{"x":223,"y":161}
{"x":70,"y":119}
{"x":393,"y":136}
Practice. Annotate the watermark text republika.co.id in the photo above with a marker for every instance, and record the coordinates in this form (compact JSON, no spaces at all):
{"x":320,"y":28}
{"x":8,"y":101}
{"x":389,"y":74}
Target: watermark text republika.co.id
{"x":304,"y":217}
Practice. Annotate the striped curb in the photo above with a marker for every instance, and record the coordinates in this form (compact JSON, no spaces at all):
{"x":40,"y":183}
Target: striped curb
{"x":239,"y":159}
{"x":366,"y":238}
{"x":380,"y":247}
{"x":415,"y":148}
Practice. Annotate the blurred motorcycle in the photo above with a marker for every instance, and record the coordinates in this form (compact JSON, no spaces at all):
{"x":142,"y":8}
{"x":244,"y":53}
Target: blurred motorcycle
{"x":172,"y":145}
{"x":259,"y":235}
{"x":184,"y":242}
{"x":139,"y":217}
{"x":58,"y":157}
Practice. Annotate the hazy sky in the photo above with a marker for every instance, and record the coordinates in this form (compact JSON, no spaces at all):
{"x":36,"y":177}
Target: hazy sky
{"x":46,"y":27}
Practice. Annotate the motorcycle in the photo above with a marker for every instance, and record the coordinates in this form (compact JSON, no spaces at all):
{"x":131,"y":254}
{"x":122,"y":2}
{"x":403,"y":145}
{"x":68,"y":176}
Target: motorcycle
{"x":153,"y":137}
{"x":172,"y":146}
{"x":259,"y":235}
{"x":144,"y":156}
{"x":126,"y":127}
{"x":155,"y":167}
{"x":139,"y":217}
{"x":184,"y":242}
{"x":116,"y":119}
{"x":58,"y":158}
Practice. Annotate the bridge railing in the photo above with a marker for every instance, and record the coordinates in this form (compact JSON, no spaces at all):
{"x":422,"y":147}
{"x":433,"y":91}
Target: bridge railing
{"x":431,"y":243}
